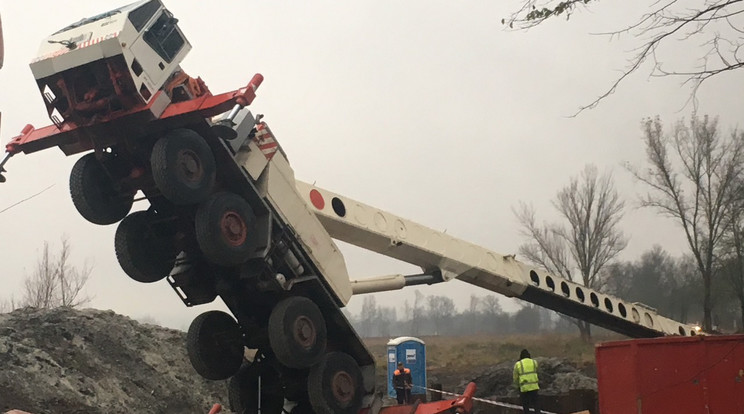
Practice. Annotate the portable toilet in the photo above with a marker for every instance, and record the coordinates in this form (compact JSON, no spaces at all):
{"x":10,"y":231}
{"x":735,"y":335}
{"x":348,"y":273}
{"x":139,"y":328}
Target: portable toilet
{"x":412,"y":352}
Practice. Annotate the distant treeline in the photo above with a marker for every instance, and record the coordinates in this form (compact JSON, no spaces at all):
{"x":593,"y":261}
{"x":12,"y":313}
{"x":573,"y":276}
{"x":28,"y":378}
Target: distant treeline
{"x":437,"y":315}
{"x":670,"y":285}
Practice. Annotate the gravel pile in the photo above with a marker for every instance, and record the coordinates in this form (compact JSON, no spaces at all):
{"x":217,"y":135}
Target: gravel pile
{"x":67,"y":361}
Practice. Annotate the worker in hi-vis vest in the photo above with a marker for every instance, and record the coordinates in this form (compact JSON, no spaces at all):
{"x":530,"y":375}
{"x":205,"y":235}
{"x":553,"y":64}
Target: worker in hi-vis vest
{"x":525,"y":378}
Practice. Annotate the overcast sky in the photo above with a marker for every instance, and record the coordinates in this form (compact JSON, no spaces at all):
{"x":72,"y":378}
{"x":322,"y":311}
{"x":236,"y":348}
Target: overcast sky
{"x":427,"y":109}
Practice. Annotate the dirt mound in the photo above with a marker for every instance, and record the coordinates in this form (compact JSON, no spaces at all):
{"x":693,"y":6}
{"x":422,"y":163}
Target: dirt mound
{"x":557,"y":377}
{"x":66,"y":361}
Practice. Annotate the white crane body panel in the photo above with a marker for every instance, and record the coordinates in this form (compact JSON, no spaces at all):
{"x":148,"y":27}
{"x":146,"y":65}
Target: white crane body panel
{"x":275,"y":180}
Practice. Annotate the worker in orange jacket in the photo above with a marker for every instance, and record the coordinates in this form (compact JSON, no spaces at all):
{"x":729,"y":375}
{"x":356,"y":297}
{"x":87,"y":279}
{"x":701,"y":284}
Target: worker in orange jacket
{"x":402,"y":382}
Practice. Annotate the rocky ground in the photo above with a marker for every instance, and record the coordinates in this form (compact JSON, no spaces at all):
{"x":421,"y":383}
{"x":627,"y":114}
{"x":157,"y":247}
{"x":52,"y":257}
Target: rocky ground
{"x":89,"y":362}
{"x":557,"y":377}
{"x":68,"y":361}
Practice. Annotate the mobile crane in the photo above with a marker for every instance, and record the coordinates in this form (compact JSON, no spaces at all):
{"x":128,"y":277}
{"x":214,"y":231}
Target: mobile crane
{"x":227,"y":219}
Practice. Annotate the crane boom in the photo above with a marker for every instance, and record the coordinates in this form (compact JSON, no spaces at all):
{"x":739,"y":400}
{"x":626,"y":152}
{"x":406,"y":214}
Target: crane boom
{"x":447,"y":257}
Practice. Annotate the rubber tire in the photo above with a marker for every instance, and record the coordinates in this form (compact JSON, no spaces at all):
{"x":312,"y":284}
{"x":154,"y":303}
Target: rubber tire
{"x":242,"y":391}
{"x":303,"y":407}
{"x":212,"y":241}
{"x":321,"y":391}
{"x":93,"y":193}
{"x":281,"y":333}
{"x":215,"y":345}
{"x":145,"y":253}
{"x":172,"y":181}
{"x":295,"y":385}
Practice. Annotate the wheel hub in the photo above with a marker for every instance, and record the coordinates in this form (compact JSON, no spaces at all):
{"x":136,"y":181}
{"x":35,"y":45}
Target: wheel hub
{"x":343,"y":387}
{"x":304,"y":332}
{"x":233,"y":228}
{"x":189,"y":165}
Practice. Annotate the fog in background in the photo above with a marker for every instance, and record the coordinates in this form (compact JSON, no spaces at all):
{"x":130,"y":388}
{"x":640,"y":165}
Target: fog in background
{"x":427,"y":109}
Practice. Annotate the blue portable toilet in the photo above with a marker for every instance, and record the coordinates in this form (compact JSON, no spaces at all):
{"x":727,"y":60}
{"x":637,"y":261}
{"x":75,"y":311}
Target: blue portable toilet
{"x":412,"y":352}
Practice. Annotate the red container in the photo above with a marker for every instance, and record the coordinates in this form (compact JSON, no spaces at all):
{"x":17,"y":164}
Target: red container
{"x":672,"y":375}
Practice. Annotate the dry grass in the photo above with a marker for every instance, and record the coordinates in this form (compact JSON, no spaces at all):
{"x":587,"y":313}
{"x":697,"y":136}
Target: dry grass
{"x":469,"y":353}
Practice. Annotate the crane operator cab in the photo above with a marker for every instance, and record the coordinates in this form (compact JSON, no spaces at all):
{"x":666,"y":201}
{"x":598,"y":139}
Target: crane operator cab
{"x":112,"y":64}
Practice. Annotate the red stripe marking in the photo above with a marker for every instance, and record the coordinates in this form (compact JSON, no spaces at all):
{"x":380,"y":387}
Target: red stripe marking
{"x":267,"y":146}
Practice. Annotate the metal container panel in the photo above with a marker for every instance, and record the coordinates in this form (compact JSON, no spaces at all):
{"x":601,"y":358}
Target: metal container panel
{"x":702,"y":374}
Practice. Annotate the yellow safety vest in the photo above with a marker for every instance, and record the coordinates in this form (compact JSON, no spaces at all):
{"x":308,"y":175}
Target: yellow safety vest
{"x":525,"y":375}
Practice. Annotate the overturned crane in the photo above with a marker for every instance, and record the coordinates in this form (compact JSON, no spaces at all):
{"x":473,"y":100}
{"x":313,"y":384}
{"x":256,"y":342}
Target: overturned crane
{"x":226,"y":218}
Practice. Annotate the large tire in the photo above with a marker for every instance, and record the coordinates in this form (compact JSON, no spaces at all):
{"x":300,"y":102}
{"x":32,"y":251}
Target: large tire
{"x":94,"y":194}
{"x":243,"y":390}
{"x":145,"y":249}
{"x":302,"y":407}
{"x":223,"y":225}
{"x":335,"y":385}
{"x":215,"y":345}
{"x":295,"y":385}
{"x":183,"y":167}
{"x":297,"y":332}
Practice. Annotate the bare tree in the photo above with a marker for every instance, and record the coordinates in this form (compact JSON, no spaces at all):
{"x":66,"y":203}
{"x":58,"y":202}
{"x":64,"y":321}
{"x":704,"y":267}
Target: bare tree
{"x":474,"y":302}
{"x":472,"y":315}
{"x":732,"y":253}
{"x":655,"y":279}
{"x":717,"y":25}
{"x":55,"y":282}
{"x":491,"y":306}
{"x":493,"y":317}
{"x":442,"y":312}
{"x":8,"y":305}
{"x":694,"y":177}
{"x":39,"y":288}
{"x":387,"y":316}
{"x":368,"y":316}
{"x":407,"y":310}
{"x":417,"y":312}
{"x":527,"y":319}
{"x":588,"y":237}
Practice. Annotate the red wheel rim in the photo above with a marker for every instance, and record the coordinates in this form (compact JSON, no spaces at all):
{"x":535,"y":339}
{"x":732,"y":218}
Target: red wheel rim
{"x":233,"y":228}
{"x":343,"y":387}
{"x":304,"y":332}
{"x":189,"y":166}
